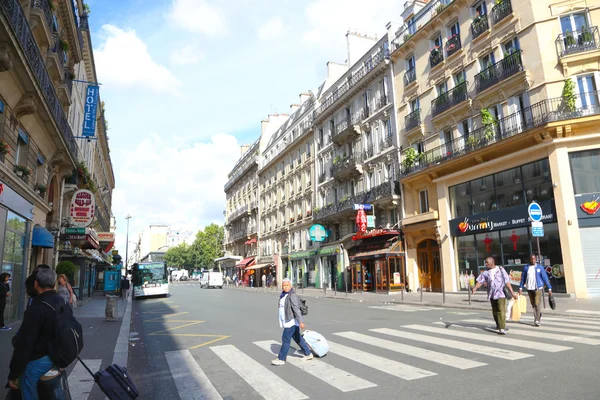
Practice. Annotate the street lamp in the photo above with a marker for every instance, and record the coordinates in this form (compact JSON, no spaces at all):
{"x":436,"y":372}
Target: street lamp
{"x":128,"y":217}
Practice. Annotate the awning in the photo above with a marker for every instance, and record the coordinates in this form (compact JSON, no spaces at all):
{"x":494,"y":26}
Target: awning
{"x":42,"y":237}
{"x":245,"y":262}
{"x":259,"y":266}
{"x":251,"y":241}
{"x":390,"y":251}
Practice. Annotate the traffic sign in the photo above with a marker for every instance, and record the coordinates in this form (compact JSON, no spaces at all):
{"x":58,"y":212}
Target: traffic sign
{"x":535,"y":212}
{"x":537,"y":229}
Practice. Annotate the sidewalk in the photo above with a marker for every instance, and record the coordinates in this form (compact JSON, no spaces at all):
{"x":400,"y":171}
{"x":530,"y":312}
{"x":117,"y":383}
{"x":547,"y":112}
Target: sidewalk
{"x":565,"y":305}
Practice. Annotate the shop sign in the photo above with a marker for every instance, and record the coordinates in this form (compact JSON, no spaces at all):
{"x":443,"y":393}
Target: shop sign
{"x":588,"y":205}
{"x":508,"y":218}
{"x":106,"y":236}
{"x":318,"y":233}
{"x":374,"y":233}
{"x":328,"y":250}
{"x":74,"y":231}
{"x":361,"y":221}
{"x":15,"y":202}
{"x":367,"y":207}
{"x":83,"y":208}
{"x":89,"y":115}
{"x":75,"y":237}
{"x":303,"y":254}
{"x":370,"y":221}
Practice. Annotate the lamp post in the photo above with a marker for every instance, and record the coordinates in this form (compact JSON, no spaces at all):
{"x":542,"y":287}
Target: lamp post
{"x":128,"y":217}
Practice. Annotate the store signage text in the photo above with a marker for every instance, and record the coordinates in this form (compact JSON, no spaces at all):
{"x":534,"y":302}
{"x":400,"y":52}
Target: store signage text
{"x":89,"y":114}
{"x":83,"y":208}
{"x":589,"y":207}
{"x":374,"y":233}
{"x":106,"y":236}
{"x":74,"y":231}
{"x":367,"y":207}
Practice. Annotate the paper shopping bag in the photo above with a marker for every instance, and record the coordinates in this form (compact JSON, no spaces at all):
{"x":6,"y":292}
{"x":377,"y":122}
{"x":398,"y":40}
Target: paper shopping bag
{"x":509,"y":305}
{"x":515,"y":314}
{"x":523,"y":303}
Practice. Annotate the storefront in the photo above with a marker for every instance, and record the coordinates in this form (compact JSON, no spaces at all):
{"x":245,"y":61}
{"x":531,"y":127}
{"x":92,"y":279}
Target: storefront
{"x":228,"y":265}
{"x":16,"y":215}
{"x":330,"y":267}
{"x":304,"y":272}
{"x":490,"y":219}
{"x":378,"y":263}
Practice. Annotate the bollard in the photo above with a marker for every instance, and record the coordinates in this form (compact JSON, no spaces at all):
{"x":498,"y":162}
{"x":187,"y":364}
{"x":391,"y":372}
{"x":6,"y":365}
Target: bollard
{"x":469,"y":292}
{"x":112,"y":308}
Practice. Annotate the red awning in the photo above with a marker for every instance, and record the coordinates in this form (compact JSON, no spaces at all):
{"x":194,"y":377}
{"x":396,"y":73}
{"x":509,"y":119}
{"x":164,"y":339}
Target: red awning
{"x":245,"y":262}
{"x":374,"y":233}
{"x":251,"y":241}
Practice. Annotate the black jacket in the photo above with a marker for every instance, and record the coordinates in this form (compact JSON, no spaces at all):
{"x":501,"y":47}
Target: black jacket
{"x":36,"y":334}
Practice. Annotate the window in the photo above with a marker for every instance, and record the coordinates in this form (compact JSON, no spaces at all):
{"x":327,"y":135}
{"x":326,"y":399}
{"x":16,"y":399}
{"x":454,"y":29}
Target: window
{"x":460,"y":200}
{"x":410,"y":62}
{"x":424,"y":201}
{"x":436,"y":42}
{"x":321,"y":136}
{"x":486,"y":61}
{"x":573,"y":22}
{"x":39,"y":171}
{"x":585,"y":171}
{"x":331,"y":126}
{"x":22,"y":147}
{"x":459,"y":77}
{"x":441,"y":88}
{"x":509,"y":189}
{"x":454,"y":30}
{"x":588,"y":96}
{"x":512,"y":46}
{"x":411,"y":26}
{"x":479,"y":8}
{"x":414,"y":104}
{"x":484,"y":197}
{"x":370,"y":181}
{"x":393,"y":217}
{"x":388,"y":128}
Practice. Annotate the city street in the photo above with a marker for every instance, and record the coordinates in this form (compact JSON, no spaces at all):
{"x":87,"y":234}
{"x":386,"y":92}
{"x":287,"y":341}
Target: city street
{"x":216,"y":343}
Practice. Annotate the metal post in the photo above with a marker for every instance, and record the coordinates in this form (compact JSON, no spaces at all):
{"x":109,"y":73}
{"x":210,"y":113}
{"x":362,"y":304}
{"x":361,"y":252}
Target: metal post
{"x":421,"y":289}
{"x":540,"y":256}
{"x":443,"y":291}
{"x":128,"y":217}
{"x":469,"y":292}
{"x":346,"y":281}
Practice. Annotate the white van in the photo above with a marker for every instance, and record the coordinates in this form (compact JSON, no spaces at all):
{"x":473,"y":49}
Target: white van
{"x":212,"y":279}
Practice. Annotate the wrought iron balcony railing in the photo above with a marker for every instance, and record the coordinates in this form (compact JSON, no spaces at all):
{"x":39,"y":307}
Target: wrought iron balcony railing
{"x":499,"y":71}
{"x":501,"y":10}
{"x":347,"y":203}
{"x":479,"y":25}
{"x":447,"y":100}
{"x":584,"y":39}
{"x":453,"y":45}
{"x":412,"y":120}
{"x":369,"y":151}
{"x":381,"y":102}
{"x":386,"y":143}
{"x":539,"y":114}
{"x":436,"y":57}
{"x":44,"y":6}
{"x":345,"y":163}
{"x":410,"y":76}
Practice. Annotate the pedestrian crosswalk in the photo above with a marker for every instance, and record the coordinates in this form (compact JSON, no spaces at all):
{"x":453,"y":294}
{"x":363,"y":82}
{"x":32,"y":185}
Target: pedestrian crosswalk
{"x":405,"y":308}
{"x":361,"y":360}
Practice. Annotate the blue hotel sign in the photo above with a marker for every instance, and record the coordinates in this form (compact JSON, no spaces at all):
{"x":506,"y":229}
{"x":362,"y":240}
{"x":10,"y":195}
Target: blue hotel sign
{"x":89,"y":114}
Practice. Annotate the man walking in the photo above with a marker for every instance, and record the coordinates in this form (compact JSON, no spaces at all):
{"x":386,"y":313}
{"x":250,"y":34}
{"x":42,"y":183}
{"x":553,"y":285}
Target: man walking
{"x":496,"y":279}
{"x":264,"y":282}
{"x":31,"y":358}
{"x":125,"y":288}
{"x":534,"y":277}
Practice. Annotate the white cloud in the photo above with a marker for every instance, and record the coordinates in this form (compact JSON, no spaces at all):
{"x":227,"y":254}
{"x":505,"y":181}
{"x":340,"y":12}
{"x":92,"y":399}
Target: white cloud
{"x":165,"y":181}
{"x":187,"y":55}
{"x":271,"y":29}
{"x":329,"y":20}
{"x":198,"y":16}
{"x":123,"y":60}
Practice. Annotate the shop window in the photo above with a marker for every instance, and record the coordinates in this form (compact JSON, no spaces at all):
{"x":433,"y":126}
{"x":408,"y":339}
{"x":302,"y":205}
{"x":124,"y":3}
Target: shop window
{"x":460,"y":200}
{"x":424,"y":201}
{"x":467,"y":259}
{"x":585,"y":171}
{"x":393,"y":217}
{"x":488,"y":245}
{"x":515,"y":246}
{"x":509,"y":189}
{"x":14,"y":261}
{"x":22,"y":147}
{"x":552,"y":257}
{"x":484,"y":197}
{"x":537,"y":181}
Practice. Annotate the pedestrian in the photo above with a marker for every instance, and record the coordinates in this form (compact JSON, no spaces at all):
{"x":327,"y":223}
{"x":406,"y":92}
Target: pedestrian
{"x":64,"y":289}
{"x":251,"y":280}
{"x":534,"y":277}
{"x":4,"y":294}
{"x":290,"y":319}
{"x":497,"y":279}
{"x":264,"y":282}
{"x":30,"y":282}
{"x":33,"y":342}
{"x":269,"y":280}
{"x":125,"y":286}
{"x":235,"y":280}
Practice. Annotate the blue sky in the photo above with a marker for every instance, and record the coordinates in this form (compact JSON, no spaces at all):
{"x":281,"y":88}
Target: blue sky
{"x":187,"y":81}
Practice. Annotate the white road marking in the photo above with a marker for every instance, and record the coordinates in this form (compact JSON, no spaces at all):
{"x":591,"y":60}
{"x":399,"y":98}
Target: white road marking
{"x":552,"y":336}
{"x":540,"y":328}
{"x":455,"y":344}
{"x":583,"y":312}
{"x":574,"y":320}
{"x":425,"y":354}
{"x":404,"y":308}
{"x":382,"y":364}
{"x":192,"y":383}
{"x":487,"y":337}
{"x":342,"y":380}
{"x":80,"y":381}
{"x":265,"y":382}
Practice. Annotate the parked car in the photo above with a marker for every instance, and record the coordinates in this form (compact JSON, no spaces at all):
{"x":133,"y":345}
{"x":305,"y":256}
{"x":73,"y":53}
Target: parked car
{"x":212,"y":279}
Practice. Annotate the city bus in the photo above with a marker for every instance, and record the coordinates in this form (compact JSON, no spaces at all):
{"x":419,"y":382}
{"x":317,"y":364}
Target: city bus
{"x":150,"y":279}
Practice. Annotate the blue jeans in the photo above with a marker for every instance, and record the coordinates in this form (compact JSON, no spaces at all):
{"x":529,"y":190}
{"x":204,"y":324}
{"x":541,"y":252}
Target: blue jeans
{"x":286,"y":339}
{"x":34,"y":371}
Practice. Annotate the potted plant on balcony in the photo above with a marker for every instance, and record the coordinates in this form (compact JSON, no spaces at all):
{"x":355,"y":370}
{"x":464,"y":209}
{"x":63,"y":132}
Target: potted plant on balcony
{"x":410,"y":158}
{"x":4,"y":149}
{"x":317,"y":209}
{"x":40,"y":189}
{"x":569,"y":99}
{"x":64,"y":45}
{"x":406,"y":37}
{"x":291,"y":220}
{"x":477,"y":18}
{"x":22,"y":171}
{"x":299,"y":216}
{"x":489,"y":124}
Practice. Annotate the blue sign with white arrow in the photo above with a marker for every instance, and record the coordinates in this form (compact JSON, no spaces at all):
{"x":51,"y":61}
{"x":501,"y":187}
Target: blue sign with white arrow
{"x":535,"y":212}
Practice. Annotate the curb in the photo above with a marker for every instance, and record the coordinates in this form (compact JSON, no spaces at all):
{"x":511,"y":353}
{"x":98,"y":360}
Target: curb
{"x":121,"y":354}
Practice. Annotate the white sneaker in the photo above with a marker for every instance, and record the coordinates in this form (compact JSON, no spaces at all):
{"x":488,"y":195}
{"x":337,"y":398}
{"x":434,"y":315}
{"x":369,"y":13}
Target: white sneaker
{"x":502,"y":332}
{"x":307,"y":358}
{"x":277,"y":361}
{"x":537,"y":323}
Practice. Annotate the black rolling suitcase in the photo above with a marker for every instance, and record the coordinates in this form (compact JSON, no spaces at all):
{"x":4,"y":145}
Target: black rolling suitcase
{"x":115,"y":382}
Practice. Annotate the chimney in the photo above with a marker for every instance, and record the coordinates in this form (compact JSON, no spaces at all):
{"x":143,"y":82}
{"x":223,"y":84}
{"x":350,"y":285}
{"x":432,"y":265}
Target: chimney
{"x":303,"y":97}
{"x":263,"y":126}
{"x":294,"y":107}
{"x":244,"y":149}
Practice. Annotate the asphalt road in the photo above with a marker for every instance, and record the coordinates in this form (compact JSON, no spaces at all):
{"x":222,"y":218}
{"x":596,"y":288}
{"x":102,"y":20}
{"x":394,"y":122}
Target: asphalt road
{"x":199,"y":339}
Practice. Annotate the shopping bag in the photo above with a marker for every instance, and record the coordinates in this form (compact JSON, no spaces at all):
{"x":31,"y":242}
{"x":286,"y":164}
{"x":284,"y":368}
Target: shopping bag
{"x":552,"y":302}
{"x":515,"y":314}
{"x":523,"y":303}
{"x":509,"y":305}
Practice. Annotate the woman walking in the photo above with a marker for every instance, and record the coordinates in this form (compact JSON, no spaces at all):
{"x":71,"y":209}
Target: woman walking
{"x":4,"y":293}
{"x":290,"y":319}
{"x":64,"y":289}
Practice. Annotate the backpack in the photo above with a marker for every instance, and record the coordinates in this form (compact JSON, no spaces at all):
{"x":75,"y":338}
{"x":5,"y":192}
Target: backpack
{"x":69,"y":336}
{"x":303,"y":307}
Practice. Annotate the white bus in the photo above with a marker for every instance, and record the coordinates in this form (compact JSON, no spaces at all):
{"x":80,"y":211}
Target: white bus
{"x":150,"y":279}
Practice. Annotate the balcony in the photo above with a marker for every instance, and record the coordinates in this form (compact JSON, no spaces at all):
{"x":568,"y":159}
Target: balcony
{"x":449,"y":99}
{"x":453,"y":45}
{"x":585,"y":39}
{"x":346,"y":204}
{"x":345,"y":129}
{"x":56,"y":57}
{"x":369,"y":152}
{"x":436,"y":57}
{"x":381,"y":102}
{"x":41,"y":18}
{"x":410,"y":76}
{"x":479,"y":26}
{"x":386,"y":143}
{"x":12,"y":12}
{"x":344,"y":167}
{"x":499,"y":71}
{"x":501,"y":10}
{"x":65,"y":88}
{"x":322,"y":177}
{"x":412,"y":120}
{"x":537,"y":115}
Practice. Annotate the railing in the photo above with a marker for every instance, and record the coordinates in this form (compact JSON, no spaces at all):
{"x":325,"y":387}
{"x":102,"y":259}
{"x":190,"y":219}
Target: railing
{"x":453,"y":45}
{"x":381,"y":102}
{"x":539,"y":114}
{"x":369,"y":151}
{"x":501,"y":10}
{"x":12,"y":11}
{"x":84,"y":23}
{"x":435,"y":57}
{"x":322,"y":177}
{"x":44,"y":5}
{"x":585,"y":39}
{"x":60,"y":53}
{"x":347,"y":122}
{"x":499,"y":71}
{"x":353,"y":79}
{"x":429,"y":12}
{"x":386,"y":143}
{"x":347,"y":204}
{"x":410,"y":76}
{"x":479,"y":25}
{"x":68,"y":81}
{"x":412,"y":120}
{"x":346,"y":163}
{"x":449,"y":99}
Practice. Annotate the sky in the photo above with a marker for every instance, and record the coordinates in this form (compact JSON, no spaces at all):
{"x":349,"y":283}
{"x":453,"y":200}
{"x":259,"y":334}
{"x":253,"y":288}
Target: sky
{"x":187,"y":82}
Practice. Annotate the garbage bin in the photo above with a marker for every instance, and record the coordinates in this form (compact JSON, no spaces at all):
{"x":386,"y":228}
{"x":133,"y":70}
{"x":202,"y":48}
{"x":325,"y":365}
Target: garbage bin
{"x":112,"y":308}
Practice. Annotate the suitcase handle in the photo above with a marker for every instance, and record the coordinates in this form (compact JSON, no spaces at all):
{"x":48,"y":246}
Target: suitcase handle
{"x":89,"y":370}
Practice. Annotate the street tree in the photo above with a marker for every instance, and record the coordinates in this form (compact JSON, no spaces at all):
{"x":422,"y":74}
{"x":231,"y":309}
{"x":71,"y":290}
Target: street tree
{"x":208,"y":245}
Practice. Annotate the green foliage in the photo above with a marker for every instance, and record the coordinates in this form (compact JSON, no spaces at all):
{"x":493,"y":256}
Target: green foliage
{"x":207,"y":246}
{"x":410,"y":157}
{"x":87,"y":9}
{"x":568,"y":95}
{"x":67,"y":268}
{"x":489,"y":123}
{"x":179,"y":256}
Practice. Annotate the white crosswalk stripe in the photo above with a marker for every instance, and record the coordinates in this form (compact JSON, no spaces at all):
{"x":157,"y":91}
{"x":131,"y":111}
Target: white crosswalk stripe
{"x":80,"y":381}
{"x":342,"y":380}
{"x":455,"y":344}
{"x":189,"y":378}
{"x":588,"y":328}
{"x":542,"y":328}
{"x":382,"y":364}
{"x":265,"y":382}
{"x":429,"y":355}
{"x":580,"y":321}
{"x":404,"y":308}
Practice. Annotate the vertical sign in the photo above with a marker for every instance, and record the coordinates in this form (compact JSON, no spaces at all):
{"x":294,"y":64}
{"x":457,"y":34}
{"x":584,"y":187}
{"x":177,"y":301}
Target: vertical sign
{"x":89,"y":114}
{"x":361,"y":221}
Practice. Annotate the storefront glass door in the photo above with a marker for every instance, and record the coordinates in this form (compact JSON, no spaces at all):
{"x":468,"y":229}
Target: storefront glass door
{"x":430,"y":271}
{"x":357,"y":276}
{"x":13,"y":261}
{"x":381,"y":275}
